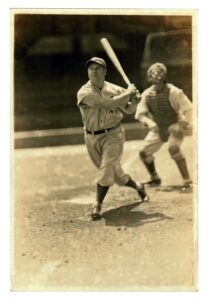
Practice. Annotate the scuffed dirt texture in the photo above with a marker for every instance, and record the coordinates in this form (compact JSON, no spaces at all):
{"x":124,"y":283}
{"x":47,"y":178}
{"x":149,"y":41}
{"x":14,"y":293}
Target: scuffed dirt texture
{"x":135,"y":247}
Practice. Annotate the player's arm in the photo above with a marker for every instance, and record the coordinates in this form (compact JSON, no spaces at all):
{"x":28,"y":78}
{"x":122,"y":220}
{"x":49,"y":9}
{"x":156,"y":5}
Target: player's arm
{"x":186,"y":109}
{"x":98,"y":101}
{"x":131,"y":106}
{"x":142,"y":113}
{"x":182,"y":106}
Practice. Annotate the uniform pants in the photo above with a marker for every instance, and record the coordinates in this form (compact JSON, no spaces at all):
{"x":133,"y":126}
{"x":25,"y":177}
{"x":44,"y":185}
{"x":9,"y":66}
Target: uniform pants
{"x":153,"y":143}
{"x":105,"y":151}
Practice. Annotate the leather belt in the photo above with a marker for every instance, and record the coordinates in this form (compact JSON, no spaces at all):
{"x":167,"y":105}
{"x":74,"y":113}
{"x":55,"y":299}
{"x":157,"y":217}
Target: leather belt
{"x":102,"y":130}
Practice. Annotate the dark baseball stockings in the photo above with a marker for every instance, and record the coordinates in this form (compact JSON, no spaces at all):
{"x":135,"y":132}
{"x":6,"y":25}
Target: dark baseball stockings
{"x":150,"y":166}
{"x":101,"y":193}
{"x":140,"y":189}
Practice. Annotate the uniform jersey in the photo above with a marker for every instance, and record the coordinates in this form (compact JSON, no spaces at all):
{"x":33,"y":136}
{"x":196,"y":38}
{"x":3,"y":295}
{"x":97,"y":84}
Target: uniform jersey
{"x":100,"y":111}
{"x":179,"y":103}
{"x":95,"y":118}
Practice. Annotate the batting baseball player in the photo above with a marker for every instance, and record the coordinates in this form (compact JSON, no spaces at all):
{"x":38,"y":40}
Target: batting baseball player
{"x":102,"y":105}
{"x":167,"y":112}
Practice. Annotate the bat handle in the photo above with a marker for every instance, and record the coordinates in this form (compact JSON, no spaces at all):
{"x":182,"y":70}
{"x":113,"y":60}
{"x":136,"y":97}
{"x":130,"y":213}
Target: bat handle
{"x":126,"y":80}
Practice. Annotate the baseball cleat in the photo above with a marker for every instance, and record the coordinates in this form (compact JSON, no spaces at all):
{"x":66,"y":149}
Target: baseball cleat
{"x":96,"y":212}
{"x":142,"y":194}
{"x":154,"y":182}
{"x":187,"y":187}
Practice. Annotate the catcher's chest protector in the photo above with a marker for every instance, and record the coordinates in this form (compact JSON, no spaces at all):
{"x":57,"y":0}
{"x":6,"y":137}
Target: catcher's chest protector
{"x":159,"y":105}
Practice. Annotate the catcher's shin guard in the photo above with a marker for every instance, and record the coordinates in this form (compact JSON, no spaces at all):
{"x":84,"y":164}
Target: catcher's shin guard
{"x":183,"y":169}
{"x":180,"y":160}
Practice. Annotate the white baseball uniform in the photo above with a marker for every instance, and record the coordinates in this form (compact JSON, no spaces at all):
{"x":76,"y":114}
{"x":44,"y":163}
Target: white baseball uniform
{"x":104,"y":135}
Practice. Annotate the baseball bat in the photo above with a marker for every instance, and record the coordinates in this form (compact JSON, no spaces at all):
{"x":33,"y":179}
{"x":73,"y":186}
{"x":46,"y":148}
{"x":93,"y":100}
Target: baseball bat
{"x":111,"y":54}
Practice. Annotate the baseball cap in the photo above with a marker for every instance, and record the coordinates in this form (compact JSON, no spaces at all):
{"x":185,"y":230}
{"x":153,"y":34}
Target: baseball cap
{"x":96,"y":60}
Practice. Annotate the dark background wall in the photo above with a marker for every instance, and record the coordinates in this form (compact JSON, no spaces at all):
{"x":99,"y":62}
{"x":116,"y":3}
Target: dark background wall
{"x":50,"y":52}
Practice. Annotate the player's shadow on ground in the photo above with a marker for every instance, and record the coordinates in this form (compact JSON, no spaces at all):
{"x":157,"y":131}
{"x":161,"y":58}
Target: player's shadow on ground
{"x":124,"y":216}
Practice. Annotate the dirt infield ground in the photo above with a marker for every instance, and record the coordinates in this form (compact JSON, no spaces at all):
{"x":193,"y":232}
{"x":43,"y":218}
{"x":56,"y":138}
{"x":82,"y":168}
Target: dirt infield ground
{"x":135,"y":247}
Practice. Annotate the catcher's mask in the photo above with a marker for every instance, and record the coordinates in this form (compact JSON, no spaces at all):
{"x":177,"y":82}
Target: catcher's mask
{"x":157,"y":71}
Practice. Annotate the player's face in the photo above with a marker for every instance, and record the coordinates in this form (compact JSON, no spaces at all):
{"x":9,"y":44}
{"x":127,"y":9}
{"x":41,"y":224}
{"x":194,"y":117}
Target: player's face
{"x":158,"y":84}
{"x":96,"y":73}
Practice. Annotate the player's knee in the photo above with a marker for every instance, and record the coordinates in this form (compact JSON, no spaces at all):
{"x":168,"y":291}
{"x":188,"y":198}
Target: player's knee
{"x":120,"y":176}
{"x":174,"y":151}
{"x":106,"y":175}
{"x":109,"y":181}
{"x":106,"y":181}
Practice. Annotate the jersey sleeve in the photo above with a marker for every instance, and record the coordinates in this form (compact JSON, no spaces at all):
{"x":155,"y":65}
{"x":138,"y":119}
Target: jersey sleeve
{"x":142,"y":112}
{"x":82,"y":93}
{"x":142,"y":106}
{"x":181,"y":104}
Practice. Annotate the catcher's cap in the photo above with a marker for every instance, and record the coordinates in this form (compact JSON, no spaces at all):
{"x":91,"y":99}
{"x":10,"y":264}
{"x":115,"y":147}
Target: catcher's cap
{"x":96,"y":60}
{"x":156,"y":71}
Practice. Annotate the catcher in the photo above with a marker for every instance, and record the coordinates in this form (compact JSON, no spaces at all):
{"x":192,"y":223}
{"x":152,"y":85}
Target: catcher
{"x":167,"y":112}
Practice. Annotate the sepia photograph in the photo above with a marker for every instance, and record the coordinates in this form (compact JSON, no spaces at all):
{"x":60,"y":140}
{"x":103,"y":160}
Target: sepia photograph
{"x":104,"y":150}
